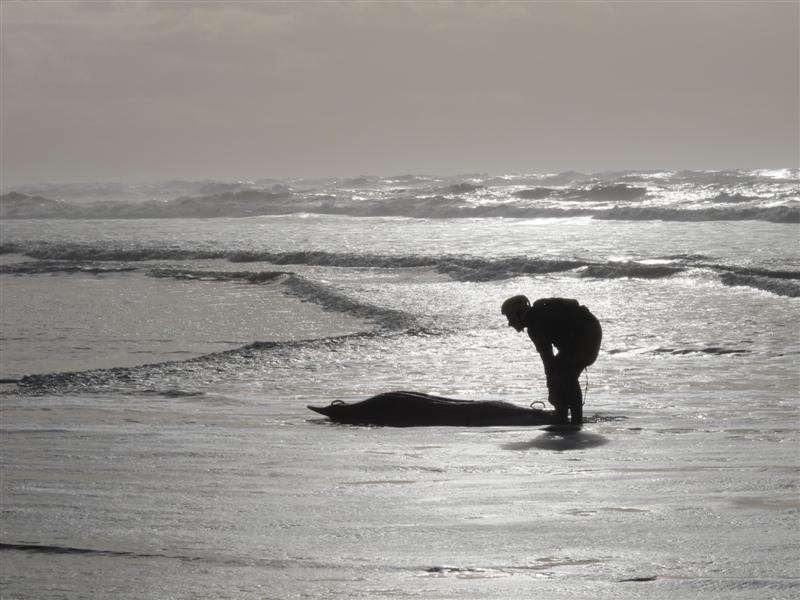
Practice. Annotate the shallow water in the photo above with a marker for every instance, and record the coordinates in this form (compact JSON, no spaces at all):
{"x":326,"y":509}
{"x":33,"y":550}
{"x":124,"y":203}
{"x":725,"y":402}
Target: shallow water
{"x":160,"y":446}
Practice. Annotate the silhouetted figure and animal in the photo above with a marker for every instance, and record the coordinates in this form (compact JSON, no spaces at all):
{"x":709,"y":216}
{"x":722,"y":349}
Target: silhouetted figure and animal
{"x":574,"y":331}
{"x":558,"y":323}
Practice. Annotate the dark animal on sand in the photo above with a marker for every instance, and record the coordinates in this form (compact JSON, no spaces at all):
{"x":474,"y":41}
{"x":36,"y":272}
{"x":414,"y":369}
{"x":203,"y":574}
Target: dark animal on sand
{"x":413,"y":409}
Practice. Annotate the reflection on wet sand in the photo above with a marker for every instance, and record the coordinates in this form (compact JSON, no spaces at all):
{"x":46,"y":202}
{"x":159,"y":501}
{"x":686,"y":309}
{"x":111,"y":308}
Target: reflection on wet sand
{"x":560,"y":441}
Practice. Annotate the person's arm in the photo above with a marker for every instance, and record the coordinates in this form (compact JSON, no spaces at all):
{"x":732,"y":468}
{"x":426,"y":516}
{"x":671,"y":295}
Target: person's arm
{"x":545,"y":350}
{"x":543,"y":346}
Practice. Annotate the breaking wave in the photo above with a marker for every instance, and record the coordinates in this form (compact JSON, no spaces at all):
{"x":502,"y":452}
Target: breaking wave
{"x":539,"y":193}
{"x":773,"y":214}
{"x":779,"y":286}
{"x":303,"y":288}
{"x":675,"y":196}
{"x":630,"y":269}
{"x":616,"y":192}
{"x":710,"y":350}
{"x":613,"y":191}
{"x":105,"y":252}
{"x":101,"y":258}
{"x":191,"y":376}
{"x":200,"y":275}
{"x":41,"y":267}
{"x":251,"y":204}
{"x":460,"y":188}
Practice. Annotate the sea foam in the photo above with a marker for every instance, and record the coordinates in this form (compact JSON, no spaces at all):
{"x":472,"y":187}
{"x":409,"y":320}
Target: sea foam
{"x":681,"y":196}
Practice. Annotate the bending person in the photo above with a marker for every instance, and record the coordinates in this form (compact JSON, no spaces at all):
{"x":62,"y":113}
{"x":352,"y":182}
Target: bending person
{"x":576,"y":334}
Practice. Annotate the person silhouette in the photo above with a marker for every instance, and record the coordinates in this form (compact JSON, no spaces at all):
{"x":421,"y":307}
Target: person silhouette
{"x":576,"y":334}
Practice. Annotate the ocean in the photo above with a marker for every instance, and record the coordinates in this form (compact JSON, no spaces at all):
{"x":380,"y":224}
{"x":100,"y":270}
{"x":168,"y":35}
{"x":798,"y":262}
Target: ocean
{"x":161,"y":343}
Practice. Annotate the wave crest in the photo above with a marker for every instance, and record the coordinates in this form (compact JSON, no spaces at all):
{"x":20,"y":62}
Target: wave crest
{"x":774,"y":214}
{"x":192,"y":375}
{"x":630,"y":269}
{"x":666,"y":196}
{"x":305,"y":289}
{"x":775,"y":285}
{"x":87,"y":258}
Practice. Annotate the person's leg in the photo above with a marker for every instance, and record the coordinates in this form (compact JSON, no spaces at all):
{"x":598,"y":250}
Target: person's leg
{"x":564,"y":391}
{"x":551,"y":373}
{"x":576,"y":402}
{"x":575,"y":360}
{"x":572,"y":394}
{"x":562,"y":414}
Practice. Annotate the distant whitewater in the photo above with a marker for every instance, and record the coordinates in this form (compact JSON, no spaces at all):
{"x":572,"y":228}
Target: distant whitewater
{"x":763,"y":195}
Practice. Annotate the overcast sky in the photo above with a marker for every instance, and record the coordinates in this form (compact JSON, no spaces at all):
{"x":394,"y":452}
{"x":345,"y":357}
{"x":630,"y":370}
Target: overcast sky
{"x":142,"y":91}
